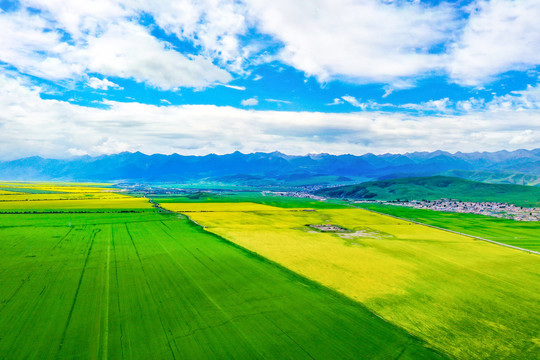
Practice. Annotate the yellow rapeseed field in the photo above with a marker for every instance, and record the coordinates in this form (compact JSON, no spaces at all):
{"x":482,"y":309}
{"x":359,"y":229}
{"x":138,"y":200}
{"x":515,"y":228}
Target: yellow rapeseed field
{"x":57,"y":187}
{"x":126,"y":203}
{"x":42,"y":196}
{"x":60,"y":196}
{"x":466,"y":297}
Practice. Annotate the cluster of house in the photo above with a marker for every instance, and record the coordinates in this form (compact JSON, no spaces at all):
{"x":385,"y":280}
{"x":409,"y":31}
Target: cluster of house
{"x":296,"y":194}
{"x":500,"y":210}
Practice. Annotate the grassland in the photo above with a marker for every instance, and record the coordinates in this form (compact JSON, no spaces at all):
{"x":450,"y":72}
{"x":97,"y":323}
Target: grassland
{"x":471,"y":299}
{"x":517,"y":233}
{"x":156,"y":286}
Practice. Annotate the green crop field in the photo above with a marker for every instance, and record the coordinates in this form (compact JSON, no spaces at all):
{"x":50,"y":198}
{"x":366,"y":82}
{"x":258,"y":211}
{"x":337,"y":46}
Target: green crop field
{"x":125,"y":204}
{"x":517,"y":233}
{"x":156,"y":286}
{"x":138,"y":283}
{"x":469,"y":298}
{"x":254,"y":197}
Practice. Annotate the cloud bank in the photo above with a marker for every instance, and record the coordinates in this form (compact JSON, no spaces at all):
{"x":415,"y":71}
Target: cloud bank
{"x":357,"y":41}
{"x":155,"y":51}
{"x":30,"y":125}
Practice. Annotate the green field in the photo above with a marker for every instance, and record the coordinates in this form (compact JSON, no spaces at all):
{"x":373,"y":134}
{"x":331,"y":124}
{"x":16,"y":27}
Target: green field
{"x":254,"y":197}
{"x":517,"y":233}
{"x":468,"y":298}
{"x":256,"y":282}
{"x":156,"y":286}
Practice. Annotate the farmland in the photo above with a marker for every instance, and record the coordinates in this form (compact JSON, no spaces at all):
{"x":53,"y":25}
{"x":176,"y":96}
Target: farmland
{"x":154,"y":285}
{"x":520,"y":234}
{"x":44,"y":197}
{"x":468,"y":298}
{"x":253,"y":197}
{"x":127,"y":203}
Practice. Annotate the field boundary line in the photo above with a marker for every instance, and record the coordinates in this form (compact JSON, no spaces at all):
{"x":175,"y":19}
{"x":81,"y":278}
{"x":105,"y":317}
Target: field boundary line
{"x":452,"y":231}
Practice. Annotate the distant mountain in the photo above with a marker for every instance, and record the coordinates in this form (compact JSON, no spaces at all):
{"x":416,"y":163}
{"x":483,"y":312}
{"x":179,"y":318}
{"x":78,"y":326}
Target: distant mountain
{"x":434,"y":188}
{"x":260,"y":169}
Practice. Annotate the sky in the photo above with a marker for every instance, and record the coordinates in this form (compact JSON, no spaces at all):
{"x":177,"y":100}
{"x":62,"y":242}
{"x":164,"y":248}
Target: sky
{"x":93,"y":77}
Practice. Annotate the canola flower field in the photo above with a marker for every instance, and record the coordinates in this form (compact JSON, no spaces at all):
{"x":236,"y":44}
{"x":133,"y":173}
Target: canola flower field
{"x":518,"y":233}
{"x":45,"y":197}
{"x":468,"y":298}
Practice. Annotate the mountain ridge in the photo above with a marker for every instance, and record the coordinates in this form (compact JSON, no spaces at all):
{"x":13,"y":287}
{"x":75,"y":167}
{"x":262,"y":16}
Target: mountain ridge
{"x":276,"y":166}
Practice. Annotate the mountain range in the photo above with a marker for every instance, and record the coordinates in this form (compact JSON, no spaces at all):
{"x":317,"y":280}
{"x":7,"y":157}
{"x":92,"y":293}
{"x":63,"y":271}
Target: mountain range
{"x":260,"y":169}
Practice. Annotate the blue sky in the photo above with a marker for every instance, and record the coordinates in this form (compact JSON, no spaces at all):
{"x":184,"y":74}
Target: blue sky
{"x":216,"y":76}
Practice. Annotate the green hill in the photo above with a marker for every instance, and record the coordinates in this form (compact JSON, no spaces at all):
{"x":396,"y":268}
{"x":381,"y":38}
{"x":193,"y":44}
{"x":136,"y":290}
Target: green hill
{"x":437,"y":187}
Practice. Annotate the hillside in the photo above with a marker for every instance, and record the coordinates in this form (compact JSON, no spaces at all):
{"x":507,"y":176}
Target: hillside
{"x":437,"y":187}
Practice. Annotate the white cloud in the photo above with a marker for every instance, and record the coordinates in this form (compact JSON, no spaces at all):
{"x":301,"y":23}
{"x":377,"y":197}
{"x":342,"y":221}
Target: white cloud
{"x":500,"y":36}
{"x":76,"y":152}
{"x":215,"y":25}
{"x":387,"y":91}
{"x":518,"y":100}
{"x":278,"y":101}
{"x":337,"y":101}
{"x":104,"y":84}
{"x":441,"y":105}
{"x":358,"y":41}
{"x":354,"y":102}
{"x":28,"y":47}
{"x":201,"y":129}
{"x":361,"y":41}
{"x":127,"y":50}
{"x":241,"y":88}
{"x":81,"y":17}
{"x":66,"y":41}
{"x":525,"y":137}
{"x":250,"y":102}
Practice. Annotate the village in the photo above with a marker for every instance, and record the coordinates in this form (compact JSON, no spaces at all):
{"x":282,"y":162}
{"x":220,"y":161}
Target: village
{"x":499,"y":210}
{"x":296,"y":194}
